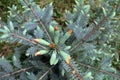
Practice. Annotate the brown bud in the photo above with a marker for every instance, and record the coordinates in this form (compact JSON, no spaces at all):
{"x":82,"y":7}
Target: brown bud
{"x":56,"y":28}
{"x":70,"y":31}
{"x":52,"y":45}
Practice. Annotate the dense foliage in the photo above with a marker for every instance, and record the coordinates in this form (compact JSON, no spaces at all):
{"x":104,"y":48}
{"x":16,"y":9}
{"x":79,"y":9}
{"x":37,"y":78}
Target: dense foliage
{"x":82,"y":50}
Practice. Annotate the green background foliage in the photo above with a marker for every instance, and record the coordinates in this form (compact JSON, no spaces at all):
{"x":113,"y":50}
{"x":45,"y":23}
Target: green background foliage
{"x":94,"y":44}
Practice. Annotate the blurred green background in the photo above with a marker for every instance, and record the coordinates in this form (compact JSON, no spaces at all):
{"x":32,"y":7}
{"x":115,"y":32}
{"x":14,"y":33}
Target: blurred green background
{"x":59,"y":10}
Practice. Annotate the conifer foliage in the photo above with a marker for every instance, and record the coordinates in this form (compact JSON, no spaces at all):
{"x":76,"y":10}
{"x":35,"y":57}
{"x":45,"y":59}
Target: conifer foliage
{"x":81,"y":51}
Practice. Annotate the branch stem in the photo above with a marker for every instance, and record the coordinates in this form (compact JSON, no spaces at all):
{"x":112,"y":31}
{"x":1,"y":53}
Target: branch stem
{"x":45,"y":73}
{"x":13,"y":73}
{"x":103,"y":71}
{"x":89,"y":34}
{"x":23,"y":38}
{"x":39,"y":21}
{"x":73,"y":71}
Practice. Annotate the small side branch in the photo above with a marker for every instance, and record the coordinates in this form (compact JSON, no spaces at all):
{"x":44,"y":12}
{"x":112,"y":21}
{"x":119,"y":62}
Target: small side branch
{"x":73,"y":71}
{"x":89,"y":34}
{"x":45,"y":73}
{"x":16,"y":72}
{"x":103,"y":71}
{"x":23,"y":38}
{"x":39,"y":21}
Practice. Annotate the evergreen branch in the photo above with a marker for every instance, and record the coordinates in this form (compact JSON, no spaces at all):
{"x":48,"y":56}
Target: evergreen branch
{"x":103,"y":71}
{"x":45,"y":73}
{"x":73,"y":71}
{"x":18,"y":36}
{"x":89,"y":34}
{"x":39,"y":21}
{"x":16,"y":72}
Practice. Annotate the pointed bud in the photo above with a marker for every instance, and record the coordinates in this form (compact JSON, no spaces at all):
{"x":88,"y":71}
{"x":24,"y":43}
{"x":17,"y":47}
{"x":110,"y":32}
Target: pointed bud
{"x":36,"y":40}
{"x":41,"y":52}
{"x":66,"y":36}
{"x":56,"y":34}
{"x":37,"y":53}
{"x":67,"y":47}
{"x":53,"y":58}
{"x":66,"y":57}
{"x":51,"y":30}
{"x":42,"y":41}
{"x":68,"y":60}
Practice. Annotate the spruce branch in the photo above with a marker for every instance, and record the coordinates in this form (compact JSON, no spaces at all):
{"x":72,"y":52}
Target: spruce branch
{"x":103,"y":71}
{"x":16,"y":72}
{"x":89,"y":34}
{"x":73,"y":71}
{"x":45,"y":73}
{"x":39,"y":21}
{"x":23,"y":38}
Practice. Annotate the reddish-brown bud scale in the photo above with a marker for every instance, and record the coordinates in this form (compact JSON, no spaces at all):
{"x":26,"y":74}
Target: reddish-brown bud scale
{"x":52,"y":45}
{"x":70,"y":31}
{"x":56,"y":28}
